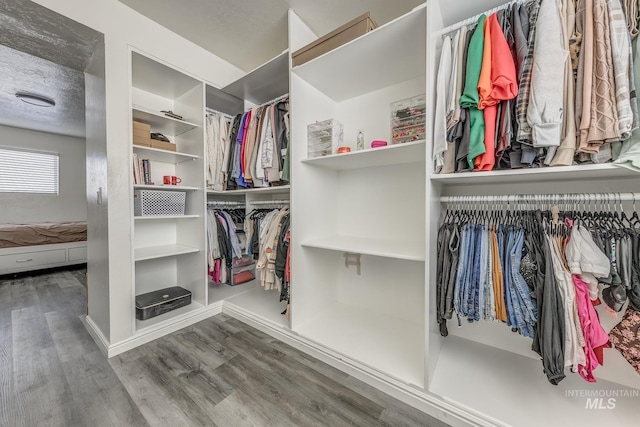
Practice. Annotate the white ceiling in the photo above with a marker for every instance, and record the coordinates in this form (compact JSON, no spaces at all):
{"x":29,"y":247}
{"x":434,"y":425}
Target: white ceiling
{"x":247,"y":33}
{"x":45,"y":53}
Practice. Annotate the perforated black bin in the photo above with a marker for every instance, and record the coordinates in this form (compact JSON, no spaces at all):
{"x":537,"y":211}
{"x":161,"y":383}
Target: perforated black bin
{"x":161,"y":301}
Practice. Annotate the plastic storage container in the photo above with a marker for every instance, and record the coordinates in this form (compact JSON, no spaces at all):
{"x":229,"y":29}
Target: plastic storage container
{"x":408,"y":120}
{"x":242,"y":270}
{"x":158,"y":203}
{"x":324,"y":138}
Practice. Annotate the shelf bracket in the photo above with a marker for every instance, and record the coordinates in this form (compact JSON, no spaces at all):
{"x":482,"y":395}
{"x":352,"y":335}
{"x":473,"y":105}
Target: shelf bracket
{"x":352,"y":259}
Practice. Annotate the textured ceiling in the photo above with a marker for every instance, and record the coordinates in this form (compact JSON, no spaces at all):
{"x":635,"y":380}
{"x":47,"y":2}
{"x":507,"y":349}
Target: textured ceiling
{"x":23,"y":72}
{"x":248,"y":33}
{"x":45,"y":53}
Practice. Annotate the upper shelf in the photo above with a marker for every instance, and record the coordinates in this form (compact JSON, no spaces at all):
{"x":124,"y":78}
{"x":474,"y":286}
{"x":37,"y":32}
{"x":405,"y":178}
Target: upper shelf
{"x":154,"y":77}
{"x":165,"y":156}
{"x":411,"y":251}
{"x":161,"y":123}
{"x":565,"y":173}
{"x":166,"y":187}
{"x":410,"y":152}
{"x":268,"y":81}
{"x":264,"y":190}
{"x":390,"y":54}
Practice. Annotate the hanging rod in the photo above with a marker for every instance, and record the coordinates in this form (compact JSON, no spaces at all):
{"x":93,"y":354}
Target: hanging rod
{"x":270,"y":202}
{"x":225,"y":115}
{"x":558,"y":198}
{"x":276,"y":99}
{"x":225,"y":203}
{"x":474,"y":19}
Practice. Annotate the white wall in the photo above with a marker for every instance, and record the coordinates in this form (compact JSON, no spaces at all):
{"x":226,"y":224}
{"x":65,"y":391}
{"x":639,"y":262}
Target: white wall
{"x":123,"y":27}
{"x":71,"y":202}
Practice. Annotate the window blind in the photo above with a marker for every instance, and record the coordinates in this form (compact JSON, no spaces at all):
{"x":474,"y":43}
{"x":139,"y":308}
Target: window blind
{"x":28,"y":172}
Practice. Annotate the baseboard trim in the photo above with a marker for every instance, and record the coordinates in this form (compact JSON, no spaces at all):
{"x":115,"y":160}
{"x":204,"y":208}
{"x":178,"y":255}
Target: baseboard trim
{"x":145,"y":337}
{"x":101,"y":341}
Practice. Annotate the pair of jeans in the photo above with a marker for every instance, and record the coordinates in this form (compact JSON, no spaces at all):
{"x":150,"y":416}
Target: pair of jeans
{"x":526,"y":311}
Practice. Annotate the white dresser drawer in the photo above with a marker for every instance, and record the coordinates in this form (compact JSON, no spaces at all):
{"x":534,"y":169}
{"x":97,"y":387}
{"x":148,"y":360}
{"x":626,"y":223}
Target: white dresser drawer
{"x":78,"y":254}
{"x":32,"y":259}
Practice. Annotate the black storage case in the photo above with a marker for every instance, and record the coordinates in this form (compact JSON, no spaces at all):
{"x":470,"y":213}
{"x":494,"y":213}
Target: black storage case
{"x":161,"y":301}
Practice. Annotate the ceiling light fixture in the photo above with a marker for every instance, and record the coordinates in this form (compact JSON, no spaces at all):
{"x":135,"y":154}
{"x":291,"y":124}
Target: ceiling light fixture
{"x":35,"y":99}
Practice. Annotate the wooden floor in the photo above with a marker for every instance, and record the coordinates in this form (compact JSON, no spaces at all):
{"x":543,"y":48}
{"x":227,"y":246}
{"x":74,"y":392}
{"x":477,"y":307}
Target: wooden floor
{"x":219,"y":372}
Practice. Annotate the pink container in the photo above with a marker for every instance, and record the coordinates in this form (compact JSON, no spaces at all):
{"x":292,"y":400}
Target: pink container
{"x":378,"y":143}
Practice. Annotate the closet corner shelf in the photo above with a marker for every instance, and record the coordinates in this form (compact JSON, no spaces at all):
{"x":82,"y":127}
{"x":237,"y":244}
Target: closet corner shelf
{"x":166,"y":187}
{"x":266,"y":190}
{"x":161,"y":123}
{"x":553,"y":173}
{"x":155,"y":252}
{"x":410,"y":152}
{"x":158,"y":155}
{"x":410,"y":251}
{"x":264,"y":83}
{"x":396,"y":52}
{"x":173,"y":316}
{"x":159,"y":217}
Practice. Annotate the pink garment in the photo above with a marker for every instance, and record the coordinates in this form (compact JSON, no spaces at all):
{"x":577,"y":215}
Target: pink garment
{"x":594,"y":334}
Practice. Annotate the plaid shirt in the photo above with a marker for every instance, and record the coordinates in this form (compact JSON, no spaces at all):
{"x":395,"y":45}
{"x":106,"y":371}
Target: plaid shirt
{"x":522,"y":101}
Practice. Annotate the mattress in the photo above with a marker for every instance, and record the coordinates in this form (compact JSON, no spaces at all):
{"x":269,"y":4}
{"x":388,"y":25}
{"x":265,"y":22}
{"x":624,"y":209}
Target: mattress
{"x":46,"y":233}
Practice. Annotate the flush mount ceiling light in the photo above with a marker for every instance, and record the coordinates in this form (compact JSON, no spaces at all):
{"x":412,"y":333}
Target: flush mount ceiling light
{"x":35,"y":99}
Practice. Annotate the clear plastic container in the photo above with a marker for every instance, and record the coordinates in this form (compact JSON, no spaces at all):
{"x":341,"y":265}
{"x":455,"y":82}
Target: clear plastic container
{"x":408,"y":120}
{"x":324,"y":138}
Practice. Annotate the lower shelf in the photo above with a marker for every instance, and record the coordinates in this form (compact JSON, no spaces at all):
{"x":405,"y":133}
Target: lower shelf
{"x":412,"y":251}
{"x":223,"y":291}
{"x":385,"y":343}
{"x":172,"y":316}
{"x":504,"y":386}
{"x":261,"y":303}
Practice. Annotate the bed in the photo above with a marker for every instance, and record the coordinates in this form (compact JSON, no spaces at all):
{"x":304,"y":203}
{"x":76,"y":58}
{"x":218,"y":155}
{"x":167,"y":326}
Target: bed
{"x":27,"y":247}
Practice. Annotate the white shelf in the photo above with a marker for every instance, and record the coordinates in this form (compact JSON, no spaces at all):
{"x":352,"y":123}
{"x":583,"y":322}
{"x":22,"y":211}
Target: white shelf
{"x":261,"y":303}
{"x":411,"y":251}
{"x":173,"y":316}
{"x":158,"y":155}
{"x":390,"y":54}
{"x":156,"y":217}
{"x":155,"y":252}
{"x":410,"y":152}
{"x":473,"y":375}
{"x":151,"y":76}
{"x":165,"y":187}
{"x":263,"y":190}
{"x":222,"y":291}
{"x":385,"y":343}
{"x":560,"y":173}
{"x":161,"y":123}
{"x":268,"y":81}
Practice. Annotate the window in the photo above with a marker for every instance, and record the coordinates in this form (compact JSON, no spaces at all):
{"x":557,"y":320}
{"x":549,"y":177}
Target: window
{"x":28,"y":172}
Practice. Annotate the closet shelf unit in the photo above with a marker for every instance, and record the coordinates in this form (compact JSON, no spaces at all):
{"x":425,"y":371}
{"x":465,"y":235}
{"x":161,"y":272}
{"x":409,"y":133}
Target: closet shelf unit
{"x":263,"y":84}
{"x":160,"y":123}
{"x":163,"y":251}
{"x":607,"y":171}
{"x":376,"y":60}
{"x":368,"y":202}
{"x":281,"y":189}
{"x":166,"y":187}
{"x":481,"y":365}
{"x":398,"y":154}
{"x":165,"y":156}
{"x":410,"y":251}
{"x":169,"y":250}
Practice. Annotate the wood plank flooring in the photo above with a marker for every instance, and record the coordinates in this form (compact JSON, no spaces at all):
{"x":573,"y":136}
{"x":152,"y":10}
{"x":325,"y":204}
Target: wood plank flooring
{"x":219,"y":372}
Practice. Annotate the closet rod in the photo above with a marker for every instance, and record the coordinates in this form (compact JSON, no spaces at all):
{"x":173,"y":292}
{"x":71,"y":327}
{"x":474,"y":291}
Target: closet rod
{"x":271,"y":202}
{"x":223,"y":203}
{"x":211,"y":110}
{"x":559,"y":198}
{"x":474,"y":19}
{"x":276,"y":99}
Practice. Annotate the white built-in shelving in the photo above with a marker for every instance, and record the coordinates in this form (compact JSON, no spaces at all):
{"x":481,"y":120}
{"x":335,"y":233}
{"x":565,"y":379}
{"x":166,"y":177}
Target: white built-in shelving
{"x":282,"y":189}
{"x":161,"y":123}
{"x":163,"y":251}
{"x":410,"y":152}
{"x":264,"y":83}
{"x":164,"y":217}
{"x":164,"y":156}
{"x":167,"y":319}
{"x":399,"y":249}
{"x":166,"y":187}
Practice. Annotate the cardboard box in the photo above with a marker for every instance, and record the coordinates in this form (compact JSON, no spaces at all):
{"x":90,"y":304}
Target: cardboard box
{"x":141,"y":133}
{"x":349,"y":31}
{"x":140,"y":140}
{"x":163,"y":145}
{"x":141,"y":127}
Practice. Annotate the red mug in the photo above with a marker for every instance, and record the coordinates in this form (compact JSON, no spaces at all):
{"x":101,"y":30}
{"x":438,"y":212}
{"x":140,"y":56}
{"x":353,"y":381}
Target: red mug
{"x":171,"y":180}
